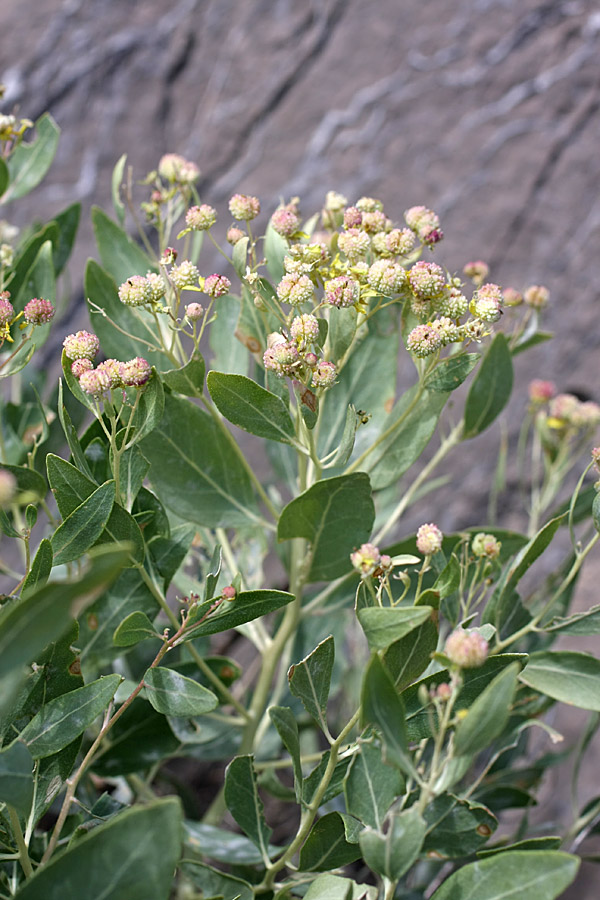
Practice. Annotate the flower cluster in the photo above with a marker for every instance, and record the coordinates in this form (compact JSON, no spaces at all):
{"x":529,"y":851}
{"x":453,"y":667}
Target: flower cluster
{"x":81,"y":348}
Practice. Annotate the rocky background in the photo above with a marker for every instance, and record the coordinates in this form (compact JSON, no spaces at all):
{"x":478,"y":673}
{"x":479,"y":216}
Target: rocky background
{"x":485,"y":110}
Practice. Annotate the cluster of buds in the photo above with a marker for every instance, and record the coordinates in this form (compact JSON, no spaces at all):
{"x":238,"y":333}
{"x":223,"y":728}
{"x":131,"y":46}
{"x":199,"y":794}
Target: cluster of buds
{"x":368,"y":561}
{"x":82,"y":347}
{"x":199,"y":218}
{"x":36,"y":312}
{"x":244,"y":207}
{"x":293,"y":357}
{"x":567,"y":413}
{"x":177,"y":170}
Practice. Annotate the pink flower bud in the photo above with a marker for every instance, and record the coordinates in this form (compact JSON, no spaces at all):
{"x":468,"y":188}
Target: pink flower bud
{"x":366,"y":559}
{"x":94,"y":383}
{"x":342,"y":291}
{"x":200,"y":218}
{"x":466,"y":649}
{"x":429,"y":539}
{"x":286,"y":221}
{"x":6,"y":309}
{"x":194,"y":311}
{"x":477,"y":270}
{"x":79,"y":366}
{"x":541,"y":391}
{"x":136,"y":291}
{"x":229,"y":593}
{"x":324,"y":374}
{"x":234,"y":234}
{"x":537,"y":296}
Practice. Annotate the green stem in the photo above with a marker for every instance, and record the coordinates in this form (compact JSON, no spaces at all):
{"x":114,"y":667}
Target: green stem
{"x":309,"y":814}
{"x":20,"y":842}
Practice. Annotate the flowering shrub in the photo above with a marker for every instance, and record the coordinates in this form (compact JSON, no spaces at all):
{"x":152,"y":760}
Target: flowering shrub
{"x":184,"y":595}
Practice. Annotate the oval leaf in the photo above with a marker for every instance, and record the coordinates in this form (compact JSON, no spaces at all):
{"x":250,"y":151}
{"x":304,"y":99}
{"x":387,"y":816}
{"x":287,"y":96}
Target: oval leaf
{"x":82,"y":528}
{"x":565,"y":675}
{"x":310,"y":680}
{"x":62,"y":720}
{"x":244,"y":804}
{"x":521,"y":875}
{"x":491,"y":389}
{"x":249,"y":406}
{"x":488,"y":715}
{"x":173,"y":694}
{"x":335,"y":515}
{"x":384,"y":625}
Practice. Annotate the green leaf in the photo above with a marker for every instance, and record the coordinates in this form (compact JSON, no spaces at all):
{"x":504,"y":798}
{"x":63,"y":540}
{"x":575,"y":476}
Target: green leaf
{"x":134,"y":628}
{"x":71,"y":434}
{"x":327,"y":847}
{"x":285,"y":722}
{"x":565,"y":675}
{"x":4,"y":176}
{"x":189,"y":380}
{"x":215,"y":884}
{"x":30,"y":161}
{"x":244,"y":804}
{"x":82,"y":528}
{"x":371,"y":786}
{"x":172,"y":694}
{"x":71,"y":488}
{"x":115,"y":185}
{"x":196,"y":470}
{"x":384,"y":625}
{"x":276,"y":248}
{"x":488,"y":715}
{"x":139,"y":739}
{"x":240,"y":255}
{"x":491,"y":388}
{"x":449,"y":578}
{"x":583,"y":623}
{"x":120,"y":256}
{"x":596,"y":511}
{"x":383,"y":708}
{"x":538,"y":337}
{"x":133,"y":469}
{"x":335,"y":515}
{"x":62,"y":720}
{"x":40,"y":281}
{"x":332,"y":887}
{"x":31,"y":623}
{"x":29,"y":482}
{"x":346,"y":446}
{"x":409,"y":429}
{"x":549,"y":842}
{"x":342,"y":328}
{"x":311,"y":783}
{"x":16,"y":777}
{"x":408,"y":658}
{"x":450,"y":373}
{"x":150,"y":408}
{"x":130,"y":857}
{"x":6,"y":528}
{"x":456,"y":828}
{"x":40,"y":568}
{"x":247,"y":605}
{"x":101,"y":290}
{"x":224,"y":846}
{"x":251,"y":407}
{"x":310,"y":680}
{"x":68,"y":222}
{"x":392,"y":854}
{"x":522,"y":875}
{"x":129,"y":594}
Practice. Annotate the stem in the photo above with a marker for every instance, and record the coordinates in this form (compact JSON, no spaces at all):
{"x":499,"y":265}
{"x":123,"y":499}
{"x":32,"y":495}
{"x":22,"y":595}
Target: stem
{"x":308,"y":816}
{"x":388,"y":431}
{"x":20,"y":842}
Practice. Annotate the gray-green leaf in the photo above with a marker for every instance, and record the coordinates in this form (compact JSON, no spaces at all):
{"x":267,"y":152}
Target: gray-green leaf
{"x":173,"y":694}
{"x":310,"y":679}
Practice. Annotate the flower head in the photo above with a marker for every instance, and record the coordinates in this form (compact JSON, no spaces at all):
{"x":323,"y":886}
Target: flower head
{"x":7,"y":311}
{"x":216,"y":285}
{"x":94,"y":382}
{"x":200,"y":218}
{"x":8,"y":488}
{"x":38,"y":311}
{"x":244,"y":207}
{"x":366,"y":559}
{"x":486,"y":545}
{"x":114,"y":370}
{"x":386,"y":277}
{"x":304,"y":329}
{"x":427,"y":280}
{"x":295,"y":289}
{"x":536,"y":296}
{"x":184,"y":275}
{"x":81,"y":345}
{"x":79,"y":366}
{"x":424,"y":340}
{"x":425,"y":223}
{"x":487,"y":303}
{"x":429,"y":539}
{"x":466,"y":649}
{"x":342,"y":291}
{"x":400,"y":241}
{"x":175,"y":168}
{"x":512,"y":297}
{"x":541,"y":391}
{"x":158,"y":287}
{"x":352,"y":217}
{"x":324,"y":374}
{"x":285,"y":220}
{"x":477,"y":270}
{"x":354,"y":243}
{"x":135,"y":372}
{"x":136,"y":291}
{"x":194,"y":311}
